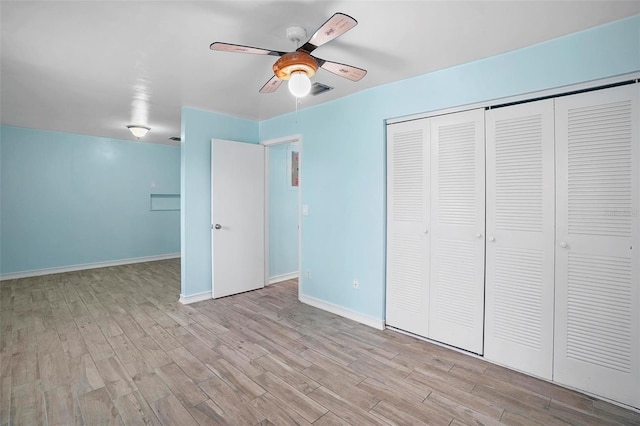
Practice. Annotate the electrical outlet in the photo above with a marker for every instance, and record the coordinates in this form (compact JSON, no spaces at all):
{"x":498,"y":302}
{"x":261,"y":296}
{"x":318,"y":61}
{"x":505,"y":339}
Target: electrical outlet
{"x":356,"y":284}
{"x":308,"y":274}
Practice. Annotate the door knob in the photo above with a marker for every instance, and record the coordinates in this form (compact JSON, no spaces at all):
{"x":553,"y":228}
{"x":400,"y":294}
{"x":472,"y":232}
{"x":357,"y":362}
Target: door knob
{"x":218,"y":226}
{"x":563,"y":244}
{"x":478,"y":235}
{"x":492,"y":239}
{"x":426,"y":231}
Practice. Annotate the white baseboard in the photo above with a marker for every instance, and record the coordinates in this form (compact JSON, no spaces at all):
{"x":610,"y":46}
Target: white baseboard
{"x":283,"y":277}
{"x":343,"y":312}
{"x":185,"y":300}
{"x":71,"y":268}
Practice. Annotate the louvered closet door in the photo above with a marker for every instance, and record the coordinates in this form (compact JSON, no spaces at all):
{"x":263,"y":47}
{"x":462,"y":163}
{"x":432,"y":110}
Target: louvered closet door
{"x":457,"y":217}
{"x":520,"y":237}
{"x":597,"y":254}
{"x":407,"y":219}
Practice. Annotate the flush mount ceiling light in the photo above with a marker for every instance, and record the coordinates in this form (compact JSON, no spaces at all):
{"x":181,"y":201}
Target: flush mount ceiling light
{"x":138,"y":131}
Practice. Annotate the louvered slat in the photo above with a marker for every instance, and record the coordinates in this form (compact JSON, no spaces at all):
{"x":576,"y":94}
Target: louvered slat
{"x":599,"y":169}
{"x":599,"y":311}
{"x":597,"y":332}
{"x":407,"y":289}
{"x":454,"y":297}
{"x":457,"y":184}
{"x":520,"y":203}
{"x":408,"y":176}
{"x":457,"y":269}
{"x":406,"y":267}
{"x":518,"y":296}
{"x":518,"y":151}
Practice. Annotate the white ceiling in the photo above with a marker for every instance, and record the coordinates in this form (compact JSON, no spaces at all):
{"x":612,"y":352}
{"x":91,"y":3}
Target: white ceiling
{"x":92,"y":67}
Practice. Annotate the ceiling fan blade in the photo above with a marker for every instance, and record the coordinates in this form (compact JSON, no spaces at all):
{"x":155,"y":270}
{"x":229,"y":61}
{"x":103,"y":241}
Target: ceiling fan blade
{"x":337,"y":25}
{"x":271,"y":85}
{"x":347,"y":71}
{"x":238,"y":48}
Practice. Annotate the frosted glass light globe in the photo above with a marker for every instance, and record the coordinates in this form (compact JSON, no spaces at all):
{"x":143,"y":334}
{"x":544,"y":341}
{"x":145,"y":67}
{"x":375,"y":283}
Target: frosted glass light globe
{"x":138,"y":131}
{"x":299,"y":84}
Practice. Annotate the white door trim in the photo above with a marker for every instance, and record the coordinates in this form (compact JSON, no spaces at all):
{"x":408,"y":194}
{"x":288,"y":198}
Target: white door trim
{"x":281,"y":141}
{"x":297,"y":138}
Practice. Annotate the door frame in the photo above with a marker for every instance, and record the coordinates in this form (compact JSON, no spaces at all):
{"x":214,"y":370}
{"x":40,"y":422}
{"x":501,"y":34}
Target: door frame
{"x":295,"y":138}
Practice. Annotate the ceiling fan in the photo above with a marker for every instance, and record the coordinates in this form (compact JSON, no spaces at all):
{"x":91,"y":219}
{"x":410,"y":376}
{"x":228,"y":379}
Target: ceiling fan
{"x":299,"y":65}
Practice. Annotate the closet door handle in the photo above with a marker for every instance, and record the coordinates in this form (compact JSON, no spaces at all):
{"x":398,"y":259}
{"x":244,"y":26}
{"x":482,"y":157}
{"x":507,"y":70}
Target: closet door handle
{"x":563,"y":244}
{"x":492,"y":239}
{"x":478,"y":235}
{"x":426,"y":231}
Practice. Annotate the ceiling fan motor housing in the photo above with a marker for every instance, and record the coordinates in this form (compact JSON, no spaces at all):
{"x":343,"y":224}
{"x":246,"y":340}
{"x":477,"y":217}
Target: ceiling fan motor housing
{"x":295,"y":61}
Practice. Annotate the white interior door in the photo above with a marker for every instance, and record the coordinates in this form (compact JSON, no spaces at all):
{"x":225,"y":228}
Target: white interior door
{"x":237,"y":217}
{"x":407,"y":226}
{"x":456,"y":311}
{"x":597,"y":325}
{"x":520,"y":237}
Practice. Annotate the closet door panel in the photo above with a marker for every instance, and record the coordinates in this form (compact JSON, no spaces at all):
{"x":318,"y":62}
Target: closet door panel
{"x":456,"y":296}
{"x":407,"y":298}
{"x":597,"y":325}
{"x":520,"y":237}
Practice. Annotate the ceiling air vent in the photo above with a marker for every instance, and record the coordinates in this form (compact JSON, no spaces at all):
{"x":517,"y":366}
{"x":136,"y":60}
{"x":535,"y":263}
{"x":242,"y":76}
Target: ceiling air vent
{"x":319,"y":88}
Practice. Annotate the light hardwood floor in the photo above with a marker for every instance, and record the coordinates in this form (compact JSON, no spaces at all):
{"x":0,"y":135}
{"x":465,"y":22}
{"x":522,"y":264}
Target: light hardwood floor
{"x":114,"y":346}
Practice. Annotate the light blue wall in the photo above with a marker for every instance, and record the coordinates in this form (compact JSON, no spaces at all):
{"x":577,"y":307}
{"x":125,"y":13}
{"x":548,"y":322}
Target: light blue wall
{"x":69,"y":199}
{"x":283,"y":213}
{"x":198,"y":128}
{"x":343,"y":154}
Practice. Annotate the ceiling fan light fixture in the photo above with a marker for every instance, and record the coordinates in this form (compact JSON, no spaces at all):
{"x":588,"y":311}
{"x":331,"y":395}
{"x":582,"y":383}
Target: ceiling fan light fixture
{"x":137,"y":130}
{"x":297,"y":67}
{"x":301,"y":63}
{"x":295,"y":61}
{"x":299,"y":84}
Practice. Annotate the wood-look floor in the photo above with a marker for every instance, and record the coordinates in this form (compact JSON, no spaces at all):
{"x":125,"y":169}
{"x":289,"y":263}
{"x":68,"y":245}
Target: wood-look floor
{"x":114,"y":346}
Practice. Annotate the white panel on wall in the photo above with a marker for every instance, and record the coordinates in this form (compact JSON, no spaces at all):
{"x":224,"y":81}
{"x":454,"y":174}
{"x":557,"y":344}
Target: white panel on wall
{"x":457,"y":216}
{"x":407,"y":288}
{"x":597,"y":331}
{"x":520,"y":237}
